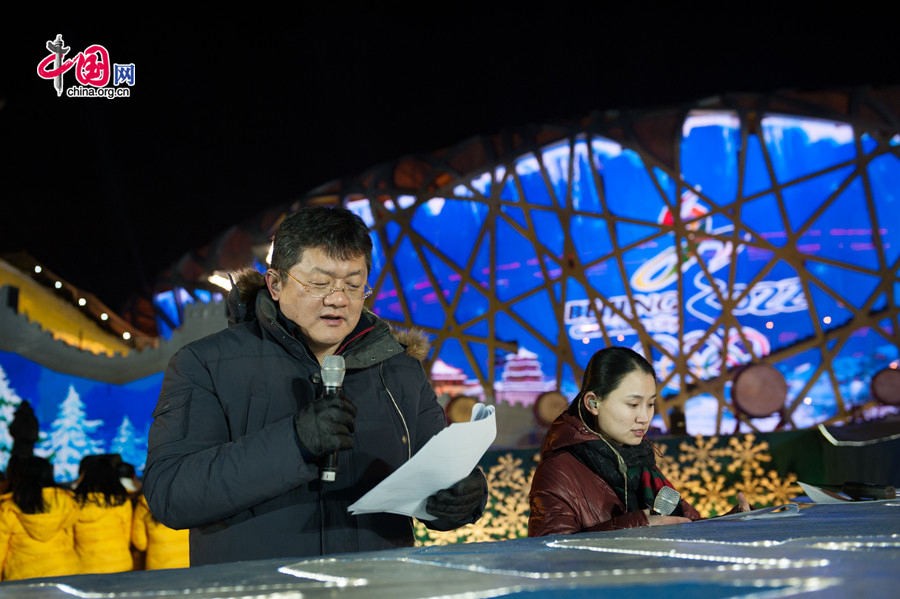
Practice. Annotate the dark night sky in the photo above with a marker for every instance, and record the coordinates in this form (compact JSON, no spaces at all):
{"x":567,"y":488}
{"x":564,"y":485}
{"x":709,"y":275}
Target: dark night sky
{"x":232,"y":115}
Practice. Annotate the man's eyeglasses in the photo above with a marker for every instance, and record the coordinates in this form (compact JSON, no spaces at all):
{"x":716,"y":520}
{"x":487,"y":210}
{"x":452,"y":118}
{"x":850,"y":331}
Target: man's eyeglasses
{"x":323,"y":290}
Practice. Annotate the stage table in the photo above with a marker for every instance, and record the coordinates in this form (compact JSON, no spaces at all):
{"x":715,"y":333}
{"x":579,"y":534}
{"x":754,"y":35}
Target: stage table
{"x":846,"y":550}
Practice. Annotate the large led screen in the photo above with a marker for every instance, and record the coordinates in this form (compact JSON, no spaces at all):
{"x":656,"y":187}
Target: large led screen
{"x":776,"y":241}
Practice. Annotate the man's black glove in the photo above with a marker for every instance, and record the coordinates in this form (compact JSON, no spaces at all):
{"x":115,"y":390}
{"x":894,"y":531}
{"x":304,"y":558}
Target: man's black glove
{"x":462,"y":503}
{"x":325,"y":426}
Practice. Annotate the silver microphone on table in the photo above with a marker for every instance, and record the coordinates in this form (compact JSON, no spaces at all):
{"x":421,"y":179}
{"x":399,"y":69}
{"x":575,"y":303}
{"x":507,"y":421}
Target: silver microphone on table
{"x":666,"y":501}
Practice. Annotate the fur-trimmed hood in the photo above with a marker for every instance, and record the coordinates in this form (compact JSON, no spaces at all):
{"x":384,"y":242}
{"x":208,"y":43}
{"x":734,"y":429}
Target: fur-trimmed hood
{"x":414,"y":341}
{"x":248,"y":284}
{"x":241,"y":300}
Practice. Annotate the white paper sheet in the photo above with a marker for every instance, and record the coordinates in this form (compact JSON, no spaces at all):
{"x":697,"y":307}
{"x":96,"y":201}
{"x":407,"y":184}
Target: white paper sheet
{"x":447,"y":458}
{"x":819,"y":495}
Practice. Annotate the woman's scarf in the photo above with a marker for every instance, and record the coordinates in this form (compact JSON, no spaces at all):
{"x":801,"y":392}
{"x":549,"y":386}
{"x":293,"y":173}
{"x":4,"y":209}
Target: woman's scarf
{"x":644,"y":478}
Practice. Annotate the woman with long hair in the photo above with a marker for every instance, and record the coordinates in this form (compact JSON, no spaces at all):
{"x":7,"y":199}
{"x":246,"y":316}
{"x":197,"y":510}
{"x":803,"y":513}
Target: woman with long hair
{"x":598,"y":470}
{"x":36,"y":523}
{"x":103,"y":529}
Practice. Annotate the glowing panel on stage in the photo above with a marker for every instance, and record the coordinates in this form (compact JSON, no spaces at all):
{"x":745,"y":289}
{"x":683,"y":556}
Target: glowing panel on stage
{"x":169,"y":306}
{"x":77,"y":416}
{"x":776,"y":241}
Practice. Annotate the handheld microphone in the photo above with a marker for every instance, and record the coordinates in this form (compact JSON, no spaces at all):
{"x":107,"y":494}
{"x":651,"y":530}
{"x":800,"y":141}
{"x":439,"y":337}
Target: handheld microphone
{"x":332,"y":377}
{"x":666,"y":501}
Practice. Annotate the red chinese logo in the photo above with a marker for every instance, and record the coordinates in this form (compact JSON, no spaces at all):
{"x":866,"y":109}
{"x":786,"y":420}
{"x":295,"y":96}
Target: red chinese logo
{"x":91,"y":66}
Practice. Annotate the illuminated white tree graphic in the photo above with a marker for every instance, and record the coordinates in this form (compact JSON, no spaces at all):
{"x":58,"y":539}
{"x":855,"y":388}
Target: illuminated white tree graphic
{"x":9,"y":401}
{"x":129,"y":444}
{"x":70,"y":437}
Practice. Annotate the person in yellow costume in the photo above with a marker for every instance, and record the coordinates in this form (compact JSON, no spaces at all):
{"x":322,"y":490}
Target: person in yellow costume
{"x":165,"y":547}
{"x":103,"y":529}
{"x":36,"y":523}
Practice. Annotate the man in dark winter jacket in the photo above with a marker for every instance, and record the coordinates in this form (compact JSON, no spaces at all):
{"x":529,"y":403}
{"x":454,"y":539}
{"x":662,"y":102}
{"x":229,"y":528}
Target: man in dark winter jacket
{"x":242,"y":424}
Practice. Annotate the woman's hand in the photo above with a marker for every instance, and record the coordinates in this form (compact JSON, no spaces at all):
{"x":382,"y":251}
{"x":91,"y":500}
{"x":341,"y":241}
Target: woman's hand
{"x":657,"y":520}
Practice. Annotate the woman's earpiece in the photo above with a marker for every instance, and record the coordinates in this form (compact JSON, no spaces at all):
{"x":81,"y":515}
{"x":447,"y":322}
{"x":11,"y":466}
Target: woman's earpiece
{"x":593,"y":403}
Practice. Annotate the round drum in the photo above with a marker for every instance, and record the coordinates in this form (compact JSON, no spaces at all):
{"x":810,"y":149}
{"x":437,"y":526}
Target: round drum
{"x":459,"y":409}
{"x":759,"y":390}
{"x":886,"y":386}
{"x":548,"y":406}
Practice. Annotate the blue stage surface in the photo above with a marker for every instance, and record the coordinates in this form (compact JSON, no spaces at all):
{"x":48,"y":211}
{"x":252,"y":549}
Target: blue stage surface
{"x":847,"y":550}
